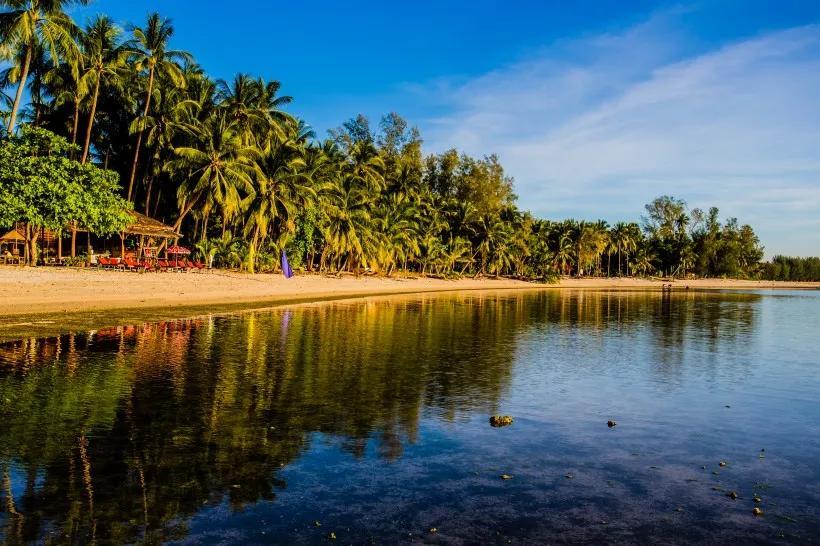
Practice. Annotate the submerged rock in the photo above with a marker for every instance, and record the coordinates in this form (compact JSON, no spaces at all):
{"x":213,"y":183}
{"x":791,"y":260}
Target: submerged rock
{"x":756,"y":499}
{"x":757,"y":511}
{"x":611,"y":423}
{"x":732,"y":495}
{"x":722,"y":463}
{"x":501,"y":420}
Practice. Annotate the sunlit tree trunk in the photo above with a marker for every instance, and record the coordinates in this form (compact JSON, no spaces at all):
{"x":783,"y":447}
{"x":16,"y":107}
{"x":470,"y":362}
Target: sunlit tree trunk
{"x":139,"y":134}
{"x":87,"y":145}
{"x":19,"y":95}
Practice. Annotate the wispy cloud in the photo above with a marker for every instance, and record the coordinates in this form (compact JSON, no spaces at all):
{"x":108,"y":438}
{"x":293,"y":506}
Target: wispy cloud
{"x":596,"y":127}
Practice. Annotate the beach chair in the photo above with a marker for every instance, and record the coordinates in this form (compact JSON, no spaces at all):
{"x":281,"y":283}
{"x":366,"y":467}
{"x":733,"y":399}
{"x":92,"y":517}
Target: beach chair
{"x":162,"y":265}
{"x":134,"y":265}
{"x":199,"y":266}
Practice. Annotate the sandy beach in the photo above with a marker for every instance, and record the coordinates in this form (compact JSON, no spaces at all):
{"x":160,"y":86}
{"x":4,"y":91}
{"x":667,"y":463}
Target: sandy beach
{"x":27,"y":291}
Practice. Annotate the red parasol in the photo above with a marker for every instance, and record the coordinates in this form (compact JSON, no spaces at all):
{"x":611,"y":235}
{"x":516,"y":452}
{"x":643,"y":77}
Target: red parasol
{"x":177,"y":250}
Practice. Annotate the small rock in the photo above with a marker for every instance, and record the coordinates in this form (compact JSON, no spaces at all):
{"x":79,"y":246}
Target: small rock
{"x":732,"y":495}
{"x":757,"y":511}
{"x":331,"y":536}
{"x":756,"y":499}
{"x":506,"y":477}
{"x":611,"y":423}
{"x":722,"y":463}
{"x":433,"y":530}
{"x":501,"y":421}
{"x":317,"y":523}
{"x":569,"y":476}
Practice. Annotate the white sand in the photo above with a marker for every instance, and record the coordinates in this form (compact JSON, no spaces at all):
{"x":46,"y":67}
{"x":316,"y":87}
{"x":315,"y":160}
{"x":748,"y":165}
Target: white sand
{"x":25,"y":290}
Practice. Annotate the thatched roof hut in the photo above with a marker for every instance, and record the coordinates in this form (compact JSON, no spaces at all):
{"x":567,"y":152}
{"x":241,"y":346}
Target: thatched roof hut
{"x":144,"y":225}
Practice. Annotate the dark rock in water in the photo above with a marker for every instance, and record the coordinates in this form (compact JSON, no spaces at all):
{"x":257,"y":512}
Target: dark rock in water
{"x":506,"y":477}
{"x":433,"y":530}
{"x":756,"y":499}
{"x":732,"y":495}
{"x":331,"y":536}
{"x":757,"y":511}
{"x":722,"y":463}
{"x":569,"y":476}
{"x":501,"y":420}
{"x":611,"y":423}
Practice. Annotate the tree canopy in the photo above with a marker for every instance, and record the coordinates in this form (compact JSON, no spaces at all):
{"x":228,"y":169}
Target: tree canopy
{"x":41,"y":186}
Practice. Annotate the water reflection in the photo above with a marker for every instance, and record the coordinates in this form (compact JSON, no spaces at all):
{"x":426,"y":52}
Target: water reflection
{"x":123,"y":434}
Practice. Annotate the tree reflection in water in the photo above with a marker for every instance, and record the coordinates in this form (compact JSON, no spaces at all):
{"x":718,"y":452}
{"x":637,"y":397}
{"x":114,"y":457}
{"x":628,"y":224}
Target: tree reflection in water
{"x":119,"y":435}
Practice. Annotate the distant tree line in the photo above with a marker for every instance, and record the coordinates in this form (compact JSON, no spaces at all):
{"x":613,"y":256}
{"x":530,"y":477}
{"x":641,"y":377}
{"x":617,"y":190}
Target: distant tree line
{"x":788,"y":268}
{"x":243,"y":179}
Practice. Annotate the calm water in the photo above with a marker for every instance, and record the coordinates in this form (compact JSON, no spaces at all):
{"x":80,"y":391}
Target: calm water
{"x":369,"y":420}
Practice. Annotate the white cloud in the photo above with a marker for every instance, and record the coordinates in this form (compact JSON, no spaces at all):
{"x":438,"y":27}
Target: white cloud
{"x":598,"y":126}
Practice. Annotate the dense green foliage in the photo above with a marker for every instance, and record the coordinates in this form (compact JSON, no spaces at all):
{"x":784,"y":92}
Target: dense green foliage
{"x":242,"y":179}
{"x":788,"y":268}
{"x":41,"y":186}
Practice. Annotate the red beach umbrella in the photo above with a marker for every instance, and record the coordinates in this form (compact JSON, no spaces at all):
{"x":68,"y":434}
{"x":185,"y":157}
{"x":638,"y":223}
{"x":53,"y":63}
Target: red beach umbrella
{"x":179,"y":250}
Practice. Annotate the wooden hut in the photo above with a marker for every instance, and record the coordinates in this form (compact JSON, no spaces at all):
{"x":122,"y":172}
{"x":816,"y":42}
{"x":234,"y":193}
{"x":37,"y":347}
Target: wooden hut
{"x":10,"y":244}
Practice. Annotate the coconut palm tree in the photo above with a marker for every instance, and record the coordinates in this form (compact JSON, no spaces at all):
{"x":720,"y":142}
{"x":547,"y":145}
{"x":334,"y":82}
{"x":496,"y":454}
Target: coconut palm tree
{"x":32,"y":24}
{"x":105,"y":61}
{"x":66,"y":86}
{"x":281,"y":186}
{"x":216,"y":170}
{"x":151,"y":56}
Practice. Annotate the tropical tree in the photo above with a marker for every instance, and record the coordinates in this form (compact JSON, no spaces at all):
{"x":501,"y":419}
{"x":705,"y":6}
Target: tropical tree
{"x":151,"y":57}
{"x":29,"y":25}
{"x":215,"y":171}
{"x":105,"y":60}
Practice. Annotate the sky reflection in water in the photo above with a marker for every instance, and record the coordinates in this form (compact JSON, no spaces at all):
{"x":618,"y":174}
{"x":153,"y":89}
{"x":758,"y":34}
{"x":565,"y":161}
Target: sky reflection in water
{"x":371,"y":418}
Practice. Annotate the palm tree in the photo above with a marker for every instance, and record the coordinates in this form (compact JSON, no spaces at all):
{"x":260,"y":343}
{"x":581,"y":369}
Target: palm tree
{"x":281,"y":186}
{"x":33,"y":24}
{"x":39,"y":67}
{"x":66,"y":86}
{"x":105,"y":60}
{"x":217,"y":169}
{"x":150,"y":52}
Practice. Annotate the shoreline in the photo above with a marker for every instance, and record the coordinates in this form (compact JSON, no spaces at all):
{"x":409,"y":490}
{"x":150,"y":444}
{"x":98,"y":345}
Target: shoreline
{"x":28,"y":291}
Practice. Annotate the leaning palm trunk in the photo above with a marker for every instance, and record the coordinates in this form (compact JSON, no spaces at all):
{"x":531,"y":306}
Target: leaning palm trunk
{"x":19,"y":95}
{"x":139,"y":134}
{"x":87,"y":145}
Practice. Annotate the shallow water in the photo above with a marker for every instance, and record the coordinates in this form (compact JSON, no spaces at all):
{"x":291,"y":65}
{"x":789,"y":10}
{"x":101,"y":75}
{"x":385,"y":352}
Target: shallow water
{"x":369,"y":420}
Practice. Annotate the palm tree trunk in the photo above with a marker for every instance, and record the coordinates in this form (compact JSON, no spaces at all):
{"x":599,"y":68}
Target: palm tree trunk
{"x":75,"y":126}
{"x":148,"y":194}
{"x":87,"y":145}
{"x":182,"y":216}
{"x":139,"y":134}
{"x":251,"y":265}
{"x":20,"y":87}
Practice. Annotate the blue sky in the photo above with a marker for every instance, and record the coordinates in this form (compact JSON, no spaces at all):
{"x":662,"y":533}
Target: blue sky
{"x":594,"y":107}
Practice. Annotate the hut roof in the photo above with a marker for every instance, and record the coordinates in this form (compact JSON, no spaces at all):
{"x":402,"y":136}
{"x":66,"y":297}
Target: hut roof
{"x":144,"y":225}
{"x":12,"y":235}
